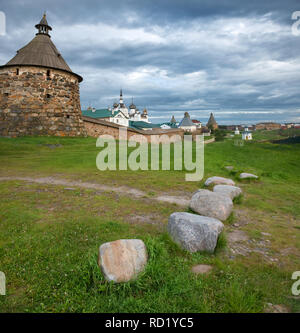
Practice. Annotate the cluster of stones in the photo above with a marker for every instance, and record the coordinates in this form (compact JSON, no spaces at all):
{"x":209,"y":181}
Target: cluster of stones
{"x":34,"y":103}
{"x":123,"y":260}
{"x":200,"y":232}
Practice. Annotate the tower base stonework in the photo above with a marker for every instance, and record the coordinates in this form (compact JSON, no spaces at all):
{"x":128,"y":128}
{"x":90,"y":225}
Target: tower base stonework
{"x":34,"y":102}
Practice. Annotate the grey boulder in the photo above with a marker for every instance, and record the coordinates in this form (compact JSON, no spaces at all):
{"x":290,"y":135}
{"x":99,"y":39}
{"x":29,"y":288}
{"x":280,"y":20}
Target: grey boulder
{"x":212,"y":204}
{"x":193,"y":232}
{"x":245,"y":175}
{"x":218,"y":180}
{"x":231,"y":191}
{"x":122,"y":260}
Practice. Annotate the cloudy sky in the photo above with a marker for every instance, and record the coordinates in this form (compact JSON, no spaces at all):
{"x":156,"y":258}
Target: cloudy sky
{"x":236,"y":58}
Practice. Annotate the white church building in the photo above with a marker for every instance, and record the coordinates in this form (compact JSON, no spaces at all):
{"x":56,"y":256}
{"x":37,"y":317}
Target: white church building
{"x":133,"y":113}
{"x":119,"y":113}
{"x":246,"y":135}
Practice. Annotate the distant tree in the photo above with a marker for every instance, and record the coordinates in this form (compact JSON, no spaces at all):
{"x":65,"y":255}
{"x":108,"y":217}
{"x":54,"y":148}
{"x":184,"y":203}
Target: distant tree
{"x":219,"y":135}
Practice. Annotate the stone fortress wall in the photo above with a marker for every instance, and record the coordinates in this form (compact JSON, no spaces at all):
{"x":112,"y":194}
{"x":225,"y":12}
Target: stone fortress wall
{"x":267,"y":126}
{"x":39,"y":101}
{"x":97,"y":127}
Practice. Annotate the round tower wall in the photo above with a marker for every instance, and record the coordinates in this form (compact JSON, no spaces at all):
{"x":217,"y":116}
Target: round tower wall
{"x":39,"y":101}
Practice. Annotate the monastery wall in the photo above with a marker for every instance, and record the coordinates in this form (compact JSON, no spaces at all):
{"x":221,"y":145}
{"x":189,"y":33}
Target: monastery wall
{"x":96,"y":127}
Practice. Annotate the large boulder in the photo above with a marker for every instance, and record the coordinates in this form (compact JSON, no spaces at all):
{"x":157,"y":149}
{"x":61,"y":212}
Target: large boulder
{"x":245,"y":175}
{"x":212,"y":204}
{"x":218,"y":180}
{"x":193,"y":232}
{"x":231,"y":191}
{"x":122,"y":260}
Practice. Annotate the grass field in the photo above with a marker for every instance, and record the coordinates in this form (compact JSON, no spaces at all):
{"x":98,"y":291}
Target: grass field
{"x":49,"y":235}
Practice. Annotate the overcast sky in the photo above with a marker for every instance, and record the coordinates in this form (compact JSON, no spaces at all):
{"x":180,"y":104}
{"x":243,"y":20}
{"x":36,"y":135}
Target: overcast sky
{"x":236,"y":58}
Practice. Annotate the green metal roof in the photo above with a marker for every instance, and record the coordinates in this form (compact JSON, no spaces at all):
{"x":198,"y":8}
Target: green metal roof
{"x":101,"y":113}
{"x":142,"y":124}
{"x":172,"y":125}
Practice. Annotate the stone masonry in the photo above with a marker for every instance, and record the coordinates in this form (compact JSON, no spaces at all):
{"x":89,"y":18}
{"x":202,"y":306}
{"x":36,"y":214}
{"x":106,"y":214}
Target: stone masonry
{"x":34,"y":103}
{"x":97,"y":127}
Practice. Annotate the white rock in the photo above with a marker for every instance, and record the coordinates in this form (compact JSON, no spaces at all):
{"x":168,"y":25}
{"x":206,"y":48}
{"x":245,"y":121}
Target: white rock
{"x":218,"y":180}
{"x":122,"y":260}
{"x":212,"y":204}
{"x":231,"y":191}
{"x":265,"y":234}
{"x":193,"y":232}
{"x":245,"y":175}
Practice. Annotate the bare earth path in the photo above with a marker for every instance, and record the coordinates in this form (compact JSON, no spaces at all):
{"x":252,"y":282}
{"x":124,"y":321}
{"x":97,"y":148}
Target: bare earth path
{"x":181,"y":201}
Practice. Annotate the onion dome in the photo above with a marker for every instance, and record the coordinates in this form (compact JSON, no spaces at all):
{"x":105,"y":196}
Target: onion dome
{"x":132,"y":106}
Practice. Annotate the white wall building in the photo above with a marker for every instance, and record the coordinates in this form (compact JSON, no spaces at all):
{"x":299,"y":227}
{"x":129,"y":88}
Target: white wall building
{"x":119,"y":118}
{"x":133,"y":114}
{"x":197,"y":123}
{"x":246,"y":135}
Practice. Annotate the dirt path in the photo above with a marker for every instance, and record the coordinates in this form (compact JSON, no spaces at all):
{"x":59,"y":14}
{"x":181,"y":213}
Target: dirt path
{"x":181,"y":201}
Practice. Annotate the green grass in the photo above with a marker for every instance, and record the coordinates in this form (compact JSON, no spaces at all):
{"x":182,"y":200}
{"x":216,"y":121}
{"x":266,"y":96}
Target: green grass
{"x":50,"y":261}
{"x":49,"y":237}
{"x":275,"y":134}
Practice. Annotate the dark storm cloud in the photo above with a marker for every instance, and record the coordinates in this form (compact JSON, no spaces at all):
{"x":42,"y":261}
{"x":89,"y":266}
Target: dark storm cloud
{"x":153,"y":11}
{"x":236,"y":58}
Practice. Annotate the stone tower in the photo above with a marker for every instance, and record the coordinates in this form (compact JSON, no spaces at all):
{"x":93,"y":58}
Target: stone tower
{"x":212,"y":122}
{"x":39,"y":93}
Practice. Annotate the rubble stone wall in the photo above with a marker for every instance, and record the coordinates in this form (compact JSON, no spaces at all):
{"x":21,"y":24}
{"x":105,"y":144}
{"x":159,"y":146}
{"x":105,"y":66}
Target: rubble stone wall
{"x":96,"y":127}
{"x":34,"y":102}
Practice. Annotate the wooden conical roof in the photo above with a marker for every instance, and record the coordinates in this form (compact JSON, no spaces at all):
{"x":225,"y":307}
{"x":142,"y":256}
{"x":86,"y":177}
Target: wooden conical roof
{"x":186,"y":121}
{"x":41,"y":52}
{"x":211,"y":121}
{"x":173,"y":120}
